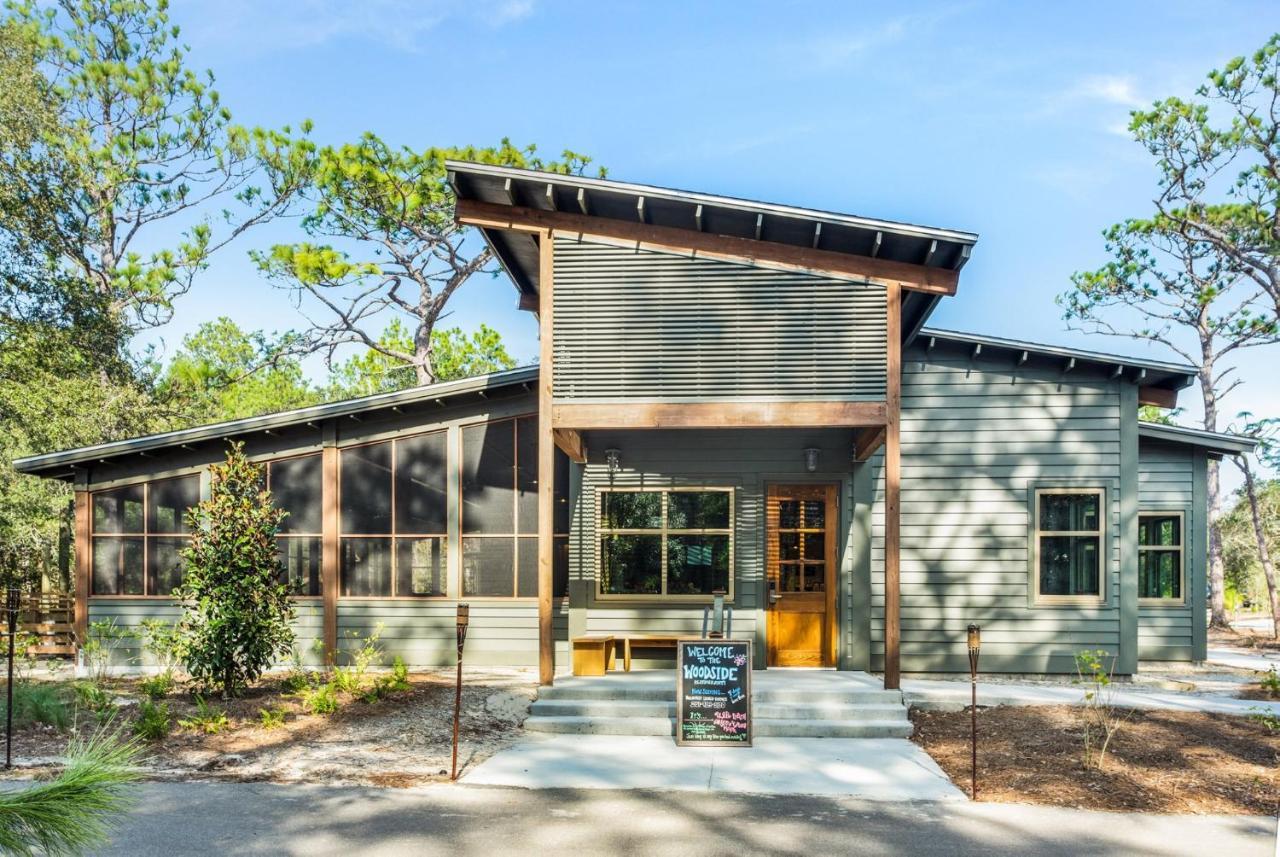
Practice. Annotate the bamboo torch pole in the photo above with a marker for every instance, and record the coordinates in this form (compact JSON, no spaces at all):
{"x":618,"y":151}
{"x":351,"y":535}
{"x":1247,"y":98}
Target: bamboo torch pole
{"x":464,"y":616}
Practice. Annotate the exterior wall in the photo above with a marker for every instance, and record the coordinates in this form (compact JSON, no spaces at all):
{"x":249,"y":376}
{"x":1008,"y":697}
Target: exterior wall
{"x":744,"y":460}
{"x":1167,"y":483}
{"x":642,"y":325}
{"x":979,"y":434}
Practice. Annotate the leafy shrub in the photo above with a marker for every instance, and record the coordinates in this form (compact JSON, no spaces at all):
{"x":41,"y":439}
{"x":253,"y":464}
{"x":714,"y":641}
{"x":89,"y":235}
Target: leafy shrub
{"x":399,"y":675}
{"x":105,"y":638}
{"x":1102,"y":717}
{"x":74,"y":812}
{"x":1266,"y":718}
{"x":37,"y":703}
{"x":352,"y":678}
{"x":157,"y":686}
{"x":237,"y":613}
{"x":207,"y":719}
{"x":153,"y":720}
{"x":271,"y":718}
{"x":296,"y":681}
{"x":322,"y":699}
{"x":164,"y":642}
{"x":94,"y":698}
{"x":396,"y":682}
{"x":1271,"y":684}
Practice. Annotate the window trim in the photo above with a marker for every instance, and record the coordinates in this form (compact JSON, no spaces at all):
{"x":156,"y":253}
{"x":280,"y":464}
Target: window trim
{"x":664,"y":531}
{"x":393,"y":536}
{"x":1037,"y":534}
{"x":146,"y":534}
{"x":1181,"y":549}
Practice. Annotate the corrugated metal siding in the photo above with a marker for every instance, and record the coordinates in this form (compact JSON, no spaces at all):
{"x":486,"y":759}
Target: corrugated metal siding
{"x":744,"y":460}
{"x":656,"y":326}
{"x":1166,"y":484}
{"x":977,"y":436}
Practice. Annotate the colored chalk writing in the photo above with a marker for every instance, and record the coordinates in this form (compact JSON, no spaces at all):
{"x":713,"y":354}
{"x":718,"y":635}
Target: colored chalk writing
{"x":713,"y":692}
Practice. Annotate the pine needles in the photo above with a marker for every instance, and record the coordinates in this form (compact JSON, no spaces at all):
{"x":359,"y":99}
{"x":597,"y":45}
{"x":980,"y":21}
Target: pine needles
{"x":77,"y":810}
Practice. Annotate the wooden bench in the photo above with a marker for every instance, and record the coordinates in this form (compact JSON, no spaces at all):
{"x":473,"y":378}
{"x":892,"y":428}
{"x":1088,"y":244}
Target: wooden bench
{"x":593,"y":655}
{"x":647,"y":641}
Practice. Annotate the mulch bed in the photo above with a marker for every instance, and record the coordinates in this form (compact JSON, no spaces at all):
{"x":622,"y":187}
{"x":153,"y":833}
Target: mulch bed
{"x":1246,"y":638}
{"x":1159,"y":761}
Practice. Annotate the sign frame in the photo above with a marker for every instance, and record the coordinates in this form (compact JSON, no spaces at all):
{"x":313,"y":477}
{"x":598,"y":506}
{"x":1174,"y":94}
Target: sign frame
{"x":681,"y":740}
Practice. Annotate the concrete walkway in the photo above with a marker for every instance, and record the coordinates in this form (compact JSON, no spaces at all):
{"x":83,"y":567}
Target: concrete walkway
{"x":882,"y":769}
{"x":1243,"y":659}
{"x":942,"y":695}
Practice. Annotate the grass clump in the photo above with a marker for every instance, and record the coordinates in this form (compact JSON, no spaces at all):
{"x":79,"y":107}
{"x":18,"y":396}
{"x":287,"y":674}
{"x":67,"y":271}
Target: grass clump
{"x":153,"y":721}
{"x":157,"y":686}
{"x":75,"y":812}
{"x":207,"y":719}
{"x":322,"y":699}
{"x":37,"y":703}
{"x":92,"y":697}
{"x":271,"y":717}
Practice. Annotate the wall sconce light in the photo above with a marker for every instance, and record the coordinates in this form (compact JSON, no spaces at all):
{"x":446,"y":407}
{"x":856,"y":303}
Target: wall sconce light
{"x":811,"y":459}
{"x":613,"y":458}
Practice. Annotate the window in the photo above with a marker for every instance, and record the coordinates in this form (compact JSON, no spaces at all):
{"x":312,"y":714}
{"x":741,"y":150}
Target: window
{"x":393,"y":510}
{"x":500,"y":511}
{"x":671,"y":542}
{"x":1160,"y":557}
{"x":1068,"y":547}
{"x":296,"y":486}
{"x":138,"y":532}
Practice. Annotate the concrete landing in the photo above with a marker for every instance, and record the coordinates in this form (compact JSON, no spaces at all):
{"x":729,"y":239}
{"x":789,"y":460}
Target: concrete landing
{"x":882,"y":769}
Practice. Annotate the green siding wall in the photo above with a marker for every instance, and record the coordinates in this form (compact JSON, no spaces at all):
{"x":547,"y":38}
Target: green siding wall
{"x":659,"y":326}
{"x":1166,"y":483}
{"x":978,"y":436}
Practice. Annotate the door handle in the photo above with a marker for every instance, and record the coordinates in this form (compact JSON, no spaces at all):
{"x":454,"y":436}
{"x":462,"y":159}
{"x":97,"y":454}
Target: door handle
{"x":774,"y":597}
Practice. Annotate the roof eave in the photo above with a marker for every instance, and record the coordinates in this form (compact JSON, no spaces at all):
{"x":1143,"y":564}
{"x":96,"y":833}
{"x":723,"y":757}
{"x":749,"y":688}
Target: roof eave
{"x":1222,"y":443}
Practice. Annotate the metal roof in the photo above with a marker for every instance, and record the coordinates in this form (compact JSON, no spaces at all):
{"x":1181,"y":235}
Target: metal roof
{"x":1156,"y":373}
{"x":720,"y":215}
{"x":41,"y":464}
{"x":1214,"y":441}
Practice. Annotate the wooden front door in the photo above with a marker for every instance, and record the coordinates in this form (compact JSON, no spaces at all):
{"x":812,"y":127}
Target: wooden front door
{"x":800,"y":556}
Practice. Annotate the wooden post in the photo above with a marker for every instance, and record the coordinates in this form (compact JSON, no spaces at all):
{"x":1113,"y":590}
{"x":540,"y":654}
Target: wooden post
{"x":84,"y":567}
{"x":546,"y":465}
{"x":892,"y":487}
{"x":329,"y":550}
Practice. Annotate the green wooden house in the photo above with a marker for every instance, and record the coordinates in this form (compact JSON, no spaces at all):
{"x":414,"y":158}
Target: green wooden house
{"x":732,"y":397}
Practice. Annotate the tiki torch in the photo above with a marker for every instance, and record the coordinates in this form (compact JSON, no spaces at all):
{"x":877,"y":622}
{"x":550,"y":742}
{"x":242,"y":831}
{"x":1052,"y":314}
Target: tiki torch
{"x":13,"y":603}
{"x":975,"y":643}
{"x":464,"y":616}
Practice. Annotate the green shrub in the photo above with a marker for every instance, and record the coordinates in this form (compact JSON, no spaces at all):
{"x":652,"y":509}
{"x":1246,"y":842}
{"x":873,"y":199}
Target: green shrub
{"x":271,"y":718}
{"x":352,"y":678}
{"x":237,"y":614}
{"x":94,"y":698}
{"x":157,"y":686}
{"x":296,"y":681}
{"x":164,"y":641}
{"x":74,"y":812}
{"x":399,"y":675}
{"x":105,"y":637}
{"x":207,"y":719}
{"x":37,"y":703}
{"x":322,"y":699}
{"x":153,"y":720}
{"x":1271,"y":684}
{"x":1266,"y":718}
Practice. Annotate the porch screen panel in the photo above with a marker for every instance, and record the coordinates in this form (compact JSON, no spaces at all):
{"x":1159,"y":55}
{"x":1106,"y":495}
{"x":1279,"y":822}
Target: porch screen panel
{"x":296,"y":485}
{"x":138,"y":533}
{"x":664,"y":327}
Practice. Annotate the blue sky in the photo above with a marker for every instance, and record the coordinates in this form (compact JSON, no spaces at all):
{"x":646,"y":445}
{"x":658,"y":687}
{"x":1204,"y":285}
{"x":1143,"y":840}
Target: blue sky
{"x":1006,"y":119}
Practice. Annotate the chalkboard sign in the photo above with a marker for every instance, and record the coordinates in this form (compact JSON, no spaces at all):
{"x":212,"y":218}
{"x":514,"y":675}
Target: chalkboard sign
{"x":713,"y":693}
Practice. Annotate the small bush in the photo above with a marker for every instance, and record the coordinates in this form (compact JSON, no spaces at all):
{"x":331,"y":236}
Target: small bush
{"x":94,"y":698}
{"x":1271,"y":684}
{"x":37,"y":703}
{"x":157,"y":686}
{"x":105,"y":637}
{"x":271,"y":718}
{"x":296,"y":681}
{"x":153,"y":721}
{"x":347,"y":680}
{"x":1266,"y":718}
{"x":399,"y":676}
{"x":164,"y":641}
{"x":207,"y":719}
{"x":1101,"y":717}
{"x":321,"y":700}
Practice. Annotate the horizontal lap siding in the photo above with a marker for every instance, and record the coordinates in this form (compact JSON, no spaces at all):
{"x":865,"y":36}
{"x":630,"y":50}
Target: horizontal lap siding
{"x":977,"y":436}
{"x":644,"y":325}
{"x":1166,"y":484}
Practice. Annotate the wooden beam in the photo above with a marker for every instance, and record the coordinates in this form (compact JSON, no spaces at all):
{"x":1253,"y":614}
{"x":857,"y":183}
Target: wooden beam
{"x":84,"y":567}
{"x":1158,"y":396}
{"x":731,"y":248}
{"x":551,"y":196}
{"x":867,"y":441}
{"x":528,"y":302}
{"x":570,"y":443}
{"x":546,"y":466}
{"x":583,"y":205}
{"x":651,"y":415}
{"x":817,"y":235}
{"x":893,"y":494}
{"x":330,"y":523}
{"x":697,"y":218}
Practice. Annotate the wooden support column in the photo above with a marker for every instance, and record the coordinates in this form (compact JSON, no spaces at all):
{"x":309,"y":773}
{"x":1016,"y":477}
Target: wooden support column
{"x":892,"y":489}
{"x":84,"y":566}
{"x":329,"y":551}
{"x":546,"y":465}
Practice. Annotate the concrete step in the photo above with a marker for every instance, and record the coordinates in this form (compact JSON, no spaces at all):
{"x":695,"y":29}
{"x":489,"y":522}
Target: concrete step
{"x":574,"y":725}
{"x":867,"y":696}
{"x":603,"y":708}
{"x":651,"y":691}
{"x":827,"y":711}
{"x":766,"y":727}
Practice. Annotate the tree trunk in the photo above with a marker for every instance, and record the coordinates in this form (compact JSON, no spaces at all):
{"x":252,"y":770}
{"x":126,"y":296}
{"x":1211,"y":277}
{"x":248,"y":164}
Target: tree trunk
{"x":1213,"y":494}
{"x":423,"y":370}
{"x":1264,"y":553}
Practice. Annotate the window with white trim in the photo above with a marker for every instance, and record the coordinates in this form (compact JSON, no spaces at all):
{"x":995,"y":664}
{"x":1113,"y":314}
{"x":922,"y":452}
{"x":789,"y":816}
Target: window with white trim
{"x":1069,"y":545}
{"x":1160,"y":557}
{"x":671,"y":542}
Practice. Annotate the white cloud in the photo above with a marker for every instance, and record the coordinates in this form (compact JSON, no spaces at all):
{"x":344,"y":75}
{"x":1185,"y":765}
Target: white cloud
{"x":1107,"y":88}
{"x":838,"y":49}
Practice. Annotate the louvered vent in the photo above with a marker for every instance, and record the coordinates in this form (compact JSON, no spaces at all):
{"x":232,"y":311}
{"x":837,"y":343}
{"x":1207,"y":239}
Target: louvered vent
{"x":661,"y":327}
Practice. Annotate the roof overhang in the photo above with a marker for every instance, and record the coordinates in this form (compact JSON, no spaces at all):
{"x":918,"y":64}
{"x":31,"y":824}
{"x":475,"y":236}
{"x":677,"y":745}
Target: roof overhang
{"x":63,"y":464}
{"x":1158,"y":381}
{"x":513,"y":206}
{"x":1215,"y":443}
